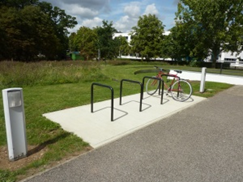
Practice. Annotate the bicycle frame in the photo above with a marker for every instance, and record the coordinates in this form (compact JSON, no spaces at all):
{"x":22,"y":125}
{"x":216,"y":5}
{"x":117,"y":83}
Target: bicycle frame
{"x":161,"y":74}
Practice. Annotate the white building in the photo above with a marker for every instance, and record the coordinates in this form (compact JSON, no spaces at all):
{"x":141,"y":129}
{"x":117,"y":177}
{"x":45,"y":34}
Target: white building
{"x":230,"y":56}
{"x":223,"y":57}
{"x":126,"y":35}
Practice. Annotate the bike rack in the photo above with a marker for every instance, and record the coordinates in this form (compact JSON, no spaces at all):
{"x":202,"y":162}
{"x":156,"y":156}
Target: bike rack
{"x":161,"y":82}
{"x":141,"y":91}
{"x":112,"y":97}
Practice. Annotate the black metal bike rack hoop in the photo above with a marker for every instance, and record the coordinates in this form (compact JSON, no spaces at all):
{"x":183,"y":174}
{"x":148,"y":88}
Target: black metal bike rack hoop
{"x":112,"y":98}
{"x":161,"y":84}
{"x":141,"y":91}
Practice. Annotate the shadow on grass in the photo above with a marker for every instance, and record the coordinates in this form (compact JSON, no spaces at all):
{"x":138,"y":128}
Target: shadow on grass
{"x":46,"y":143}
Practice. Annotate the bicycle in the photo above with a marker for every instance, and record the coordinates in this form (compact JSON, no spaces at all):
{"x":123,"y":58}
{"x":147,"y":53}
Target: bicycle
{"x":180,"y":89}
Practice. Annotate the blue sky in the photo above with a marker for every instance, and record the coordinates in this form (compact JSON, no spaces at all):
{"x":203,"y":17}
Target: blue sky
{"x":123,"y":13}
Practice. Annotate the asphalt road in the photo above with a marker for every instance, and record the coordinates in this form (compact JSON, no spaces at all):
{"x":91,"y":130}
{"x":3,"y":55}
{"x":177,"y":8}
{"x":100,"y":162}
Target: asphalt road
{"x":201,"y":143}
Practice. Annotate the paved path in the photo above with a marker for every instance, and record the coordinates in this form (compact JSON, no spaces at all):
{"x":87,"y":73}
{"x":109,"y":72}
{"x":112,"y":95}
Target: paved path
{"x":201,"y":143}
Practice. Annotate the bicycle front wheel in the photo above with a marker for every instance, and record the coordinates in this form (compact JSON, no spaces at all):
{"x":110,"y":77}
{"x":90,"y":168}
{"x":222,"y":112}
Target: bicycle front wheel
{"x":152,"y":86}
{"x":181,"y":90}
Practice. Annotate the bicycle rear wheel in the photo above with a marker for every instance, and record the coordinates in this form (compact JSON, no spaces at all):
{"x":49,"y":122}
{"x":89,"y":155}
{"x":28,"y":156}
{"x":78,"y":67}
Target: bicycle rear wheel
{"x":181,"y":90}
{"x":152,"y":86}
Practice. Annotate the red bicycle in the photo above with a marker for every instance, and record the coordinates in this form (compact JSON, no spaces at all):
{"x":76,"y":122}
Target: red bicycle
{"x":179,"y":89}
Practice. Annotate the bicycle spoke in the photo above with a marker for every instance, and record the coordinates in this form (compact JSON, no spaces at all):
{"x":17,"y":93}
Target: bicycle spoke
{"x":181,"y":90}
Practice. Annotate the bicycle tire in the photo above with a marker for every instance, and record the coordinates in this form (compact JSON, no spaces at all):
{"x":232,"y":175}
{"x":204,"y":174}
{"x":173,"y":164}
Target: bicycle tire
{"x":181,"y":90}
{"x":152,"y":86}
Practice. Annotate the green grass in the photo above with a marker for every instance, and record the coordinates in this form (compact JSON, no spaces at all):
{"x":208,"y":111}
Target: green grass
{"x":52,"y":86}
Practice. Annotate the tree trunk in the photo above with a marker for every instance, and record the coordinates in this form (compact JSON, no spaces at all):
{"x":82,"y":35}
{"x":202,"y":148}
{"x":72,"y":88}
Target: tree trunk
{"x":215,"y":54}
{"x":213,"y":59}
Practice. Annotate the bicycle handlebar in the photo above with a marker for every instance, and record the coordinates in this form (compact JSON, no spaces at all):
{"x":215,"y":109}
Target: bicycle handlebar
{"x":161,"y":69}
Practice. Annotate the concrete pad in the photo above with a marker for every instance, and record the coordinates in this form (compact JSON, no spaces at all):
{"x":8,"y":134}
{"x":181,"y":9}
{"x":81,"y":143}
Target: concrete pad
{"x":97,"y":128}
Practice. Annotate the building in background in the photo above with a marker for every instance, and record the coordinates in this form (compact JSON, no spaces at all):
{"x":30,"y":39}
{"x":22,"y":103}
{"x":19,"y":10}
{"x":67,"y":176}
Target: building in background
{"x":227,"y":57}
{"x":128,"y":37}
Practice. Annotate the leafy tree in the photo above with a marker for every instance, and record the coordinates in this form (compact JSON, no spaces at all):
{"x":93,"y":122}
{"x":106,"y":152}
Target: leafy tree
{"x":122,"y":45}
{"x":179,"y":43}
{"x":215,"y":26}
{"x":3,"y":40}
{"x":37,"y":34}
{"x":27,"y":32}
{"x":105,"y":42}
{"x":18,"y":4}
{"x":60,"y":22}
{"x":170,"y":47}
{"x":71,"y":42}
{"x":147,"y":36}
{"x":85,"y":41}
{"x":29,"y":28}
{"x":4,"y":37}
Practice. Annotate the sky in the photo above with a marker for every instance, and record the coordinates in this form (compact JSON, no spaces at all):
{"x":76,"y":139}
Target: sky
{"x":124,"y":14}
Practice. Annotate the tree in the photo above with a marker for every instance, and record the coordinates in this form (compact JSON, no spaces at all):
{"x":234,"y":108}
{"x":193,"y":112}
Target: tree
{"x":27,"y":32}
{"x":147,"y":36}
{"x":85,"y":41}
{"x":3,"y":40}
{"x":179,"y":43}
{"x":18,"y":4}
{"x":30,"y":27}
{"x":215,"y":26}
{"x":105,"y":42}
{"x":71,"y":42}
{"x":37,"y":34}
{"x":60,"y":22}
{"x":171,"y":47}
{"x":122,"y":45}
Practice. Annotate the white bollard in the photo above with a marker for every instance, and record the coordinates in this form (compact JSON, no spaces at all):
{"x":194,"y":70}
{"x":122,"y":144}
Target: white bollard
{"x":203,"y":79}
{"x":13,"y":103}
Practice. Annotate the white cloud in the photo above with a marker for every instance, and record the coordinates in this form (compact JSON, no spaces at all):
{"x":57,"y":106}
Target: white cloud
{"x":91,"y":23}
{"x":151,"y":9}
{"x":132,"y":13}
{"x":125,"y":23}
{"x":123,"y":13}
{"x":132,"y":10}
{"x":90,"y":4}
{"x":122,"y":23}
{"x":81,"y":11}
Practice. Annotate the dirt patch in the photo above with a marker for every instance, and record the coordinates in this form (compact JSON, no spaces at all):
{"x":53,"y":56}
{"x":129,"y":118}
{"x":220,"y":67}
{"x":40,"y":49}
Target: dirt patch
{"x":5,"y":163}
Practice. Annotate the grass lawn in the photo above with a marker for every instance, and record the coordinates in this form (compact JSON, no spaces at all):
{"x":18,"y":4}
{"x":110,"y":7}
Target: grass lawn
{"x":52,"y":86}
